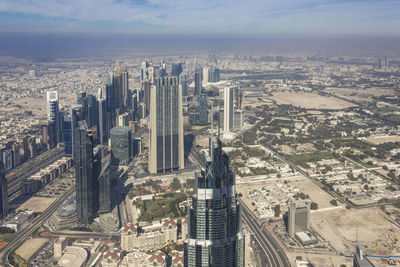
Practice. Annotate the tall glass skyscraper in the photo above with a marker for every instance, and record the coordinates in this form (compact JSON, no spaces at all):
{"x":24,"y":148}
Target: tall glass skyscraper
{"x":198,"y":77}
{"x":118,"y":96}
{"x":3,"y":192}
{"x":166,"y":125}
{"x":215,"y":235}
{"x":86,"y":183}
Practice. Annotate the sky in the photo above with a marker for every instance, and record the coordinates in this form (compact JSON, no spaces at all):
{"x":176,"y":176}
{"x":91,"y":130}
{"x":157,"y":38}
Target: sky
{"x":211,"y":17}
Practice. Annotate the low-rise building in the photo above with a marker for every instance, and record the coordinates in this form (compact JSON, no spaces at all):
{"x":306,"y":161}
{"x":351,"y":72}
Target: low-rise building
{"x":151,"y":237}
{"x":111,"y":258}
{"x":19,"y":220}
{"x":73,"y":256}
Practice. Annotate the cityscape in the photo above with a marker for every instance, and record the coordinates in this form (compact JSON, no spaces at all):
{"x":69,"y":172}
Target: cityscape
{"x":133,"y":143}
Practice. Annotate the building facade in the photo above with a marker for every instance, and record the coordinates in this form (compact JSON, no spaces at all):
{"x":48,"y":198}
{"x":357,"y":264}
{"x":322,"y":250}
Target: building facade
{"x":166,"y":126}
{"x":298,"y":218}
{"x":3,"y":192}
{"x":215,"y":235}
{"x":121,"y":145}
{"x":86,"y":182}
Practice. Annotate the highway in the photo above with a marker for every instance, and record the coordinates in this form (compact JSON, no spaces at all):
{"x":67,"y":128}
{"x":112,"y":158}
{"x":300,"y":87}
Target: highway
{"x":25,"y":232}
{"x":270,"y":252}
{"x":29,"y":168}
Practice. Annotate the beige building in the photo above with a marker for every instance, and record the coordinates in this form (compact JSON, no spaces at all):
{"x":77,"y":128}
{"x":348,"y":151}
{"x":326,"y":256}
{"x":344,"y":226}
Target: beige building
{"x":73,"y":256}
{"x":153,"y":237}
{"x":184,"y":228}
{"x":111,"y":258}
{"x":59,"y":246}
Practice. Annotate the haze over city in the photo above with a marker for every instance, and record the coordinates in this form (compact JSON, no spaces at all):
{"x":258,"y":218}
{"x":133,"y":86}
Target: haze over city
{"x":199,"y":133}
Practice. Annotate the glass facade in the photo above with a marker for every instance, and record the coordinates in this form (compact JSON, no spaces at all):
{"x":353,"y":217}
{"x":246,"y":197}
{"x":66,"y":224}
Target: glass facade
{"x":167,"y":123}
{"x":214,"y":233}
{"x":121,"y":145}
{"x":86,"y":182}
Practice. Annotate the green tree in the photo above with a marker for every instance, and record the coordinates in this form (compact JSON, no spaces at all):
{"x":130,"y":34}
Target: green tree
{"x":314,"y":206}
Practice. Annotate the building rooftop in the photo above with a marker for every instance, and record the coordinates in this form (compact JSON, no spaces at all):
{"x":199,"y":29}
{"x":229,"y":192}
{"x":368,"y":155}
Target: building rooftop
{"x":73,"y":256}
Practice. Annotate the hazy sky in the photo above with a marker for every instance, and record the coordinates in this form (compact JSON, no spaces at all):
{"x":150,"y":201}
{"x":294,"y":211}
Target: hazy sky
{"x":371,"y":17}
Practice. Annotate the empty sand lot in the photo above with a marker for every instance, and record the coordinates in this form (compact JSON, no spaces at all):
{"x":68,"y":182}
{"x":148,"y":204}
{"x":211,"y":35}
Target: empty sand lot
{"x":310,"y":100}
{"x":377,"y":140}
{"x":29,"y":248}
{"x":37,"y":204}
{"x":340,"y":228}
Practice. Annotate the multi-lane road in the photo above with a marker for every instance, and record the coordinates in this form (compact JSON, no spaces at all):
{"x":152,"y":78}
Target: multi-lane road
{"x":270,"y":253}
{"x":29,"y":168}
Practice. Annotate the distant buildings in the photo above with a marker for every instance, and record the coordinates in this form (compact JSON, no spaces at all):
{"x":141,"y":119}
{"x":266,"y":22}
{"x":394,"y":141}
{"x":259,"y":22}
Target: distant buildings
{"x":117,"y":89}
{"x":215,"y":235}
{"x":198,"y":78}
{"x":203,"y":110}
{"x":166,"y":126}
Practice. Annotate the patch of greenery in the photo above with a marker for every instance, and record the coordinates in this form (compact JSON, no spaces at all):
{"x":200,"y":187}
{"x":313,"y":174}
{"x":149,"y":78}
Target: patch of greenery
{"x":164,"y":207}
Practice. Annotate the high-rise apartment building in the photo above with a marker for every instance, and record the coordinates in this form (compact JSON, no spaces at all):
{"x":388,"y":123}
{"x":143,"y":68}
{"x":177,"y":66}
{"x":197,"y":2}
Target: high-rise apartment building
{"x":233,"y":98}
{"x":125,"y":89}
{"x":86,"y":182}
{"x":53,"y":113}
{"x":147,"y":90}
{"x":228,"y":109}
{"x":121,"y":145}
{"x":166,"y":126}
{"x":117,"y":88}
{"x":3,"y":192}
{"x":198,"y":77}
{"x":215,"y":235}
{"x":176,"y":69}
{"x":202,"y":109}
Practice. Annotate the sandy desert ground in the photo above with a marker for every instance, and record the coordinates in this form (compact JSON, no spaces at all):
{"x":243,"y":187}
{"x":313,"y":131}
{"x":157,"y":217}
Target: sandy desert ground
{"x":310,"y":100}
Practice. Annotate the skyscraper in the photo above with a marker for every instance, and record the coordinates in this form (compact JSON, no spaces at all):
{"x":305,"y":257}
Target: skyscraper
{"x":176,"y":69}
{"x":102,"y":123}
{"x":69,"y":122}
{"x":215,"y":235}
{"x":121,"y":145}
{"x":166,"y":125}
{"x":228,"y":109}
{"x":202,"y":109}
{"x":125,"y":88}
{"x":147,"y":90}
{"x":86,"y":183}
{"x":53,"y":113}
{"x":232,"y":108}
{"x":3,"y":192}
{"x":117,"y":88}
{"x":198,"y":76}
{"x":105,"y":189}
